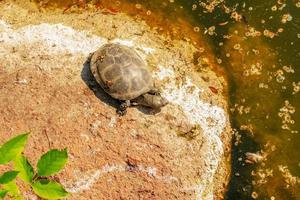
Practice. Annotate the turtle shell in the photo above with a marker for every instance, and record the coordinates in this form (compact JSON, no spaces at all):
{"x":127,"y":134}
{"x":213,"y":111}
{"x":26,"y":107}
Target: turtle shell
{"x":121,"y":72}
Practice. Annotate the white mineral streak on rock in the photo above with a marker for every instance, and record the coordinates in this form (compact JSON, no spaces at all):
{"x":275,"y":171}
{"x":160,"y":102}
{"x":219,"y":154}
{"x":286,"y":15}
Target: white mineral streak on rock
{"x":59,"y":39}
{"x":212,"y":120}
{"x":3,"y":25}
{"x":152,"y":171}
{"x":51,"y":39}
{"x":130,"y":43}
{"x":87,"y":180}
{"x":84,"y":183}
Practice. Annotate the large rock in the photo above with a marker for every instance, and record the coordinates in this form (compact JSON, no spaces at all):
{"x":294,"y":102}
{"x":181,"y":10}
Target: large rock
{"x":46,"y":88}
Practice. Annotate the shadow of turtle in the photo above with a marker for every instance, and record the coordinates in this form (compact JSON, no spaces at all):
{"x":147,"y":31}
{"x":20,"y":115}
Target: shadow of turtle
{"x":89,"y":80}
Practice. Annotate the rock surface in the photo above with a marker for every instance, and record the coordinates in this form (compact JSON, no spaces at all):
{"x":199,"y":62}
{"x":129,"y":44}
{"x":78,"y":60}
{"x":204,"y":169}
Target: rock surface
{"x":46,"y":88}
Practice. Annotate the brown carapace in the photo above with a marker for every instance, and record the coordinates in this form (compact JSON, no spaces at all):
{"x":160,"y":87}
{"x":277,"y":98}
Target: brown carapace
{"x":123,"y":74}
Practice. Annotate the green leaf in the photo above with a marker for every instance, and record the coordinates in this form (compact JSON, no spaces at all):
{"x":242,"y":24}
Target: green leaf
{"x":12,"y":148}
{"x":2,"y":194}
{"x":12,"y":189}
{"x":8,"y":177}
{"x":51,"y":162}
{"x":49,"y":189}
{"x":22,"y":165}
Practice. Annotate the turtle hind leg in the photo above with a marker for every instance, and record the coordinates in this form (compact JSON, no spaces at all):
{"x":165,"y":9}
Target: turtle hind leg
{"x":122,"y":108}
{"x":154,"y":91}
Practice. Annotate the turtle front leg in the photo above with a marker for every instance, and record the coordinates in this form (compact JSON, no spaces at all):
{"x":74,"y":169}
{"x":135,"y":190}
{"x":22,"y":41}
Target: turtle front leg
{"x":122,"y":108}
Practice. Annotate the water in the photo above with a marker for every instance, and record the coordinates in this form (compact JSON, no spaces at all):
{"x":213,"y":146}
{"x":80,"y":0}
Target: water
{"x":261,"y":84}
{"x":258,"y":43}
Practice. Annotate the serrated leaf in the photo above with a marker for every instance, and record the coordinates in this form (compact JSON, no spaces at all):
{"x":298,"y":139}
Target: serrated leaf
{"x":2,"y":194}
{"x":8,"y":177}
{"x":22,"y":165}
{"x":51,"y":162}
{"x":12,"y":190}
{"x":12,"y":148}
{"x":49,"y":189}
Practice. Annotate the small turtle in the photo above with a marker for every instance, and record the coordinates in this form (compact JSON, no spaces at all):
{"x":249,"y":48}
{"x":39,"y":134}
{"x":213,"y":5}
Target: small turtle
{"x":122,"y":73}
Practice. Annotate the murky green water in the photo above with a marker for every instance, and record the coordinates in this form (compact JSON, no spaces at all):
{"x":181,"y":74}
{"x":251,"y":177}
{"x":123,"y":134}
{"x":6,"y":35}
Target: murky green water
{"x":258,"y":44}
{"x":264,"y":75}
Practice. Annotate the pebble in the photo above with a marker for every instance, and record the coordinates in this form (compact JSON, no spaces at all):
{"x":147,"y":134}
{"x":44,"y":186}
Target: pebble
{"x":112,"y":122}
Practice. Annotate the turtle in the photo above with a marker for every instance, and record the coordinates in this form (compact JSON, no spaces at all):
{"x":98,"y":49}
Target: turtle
{"x":124,"y":75}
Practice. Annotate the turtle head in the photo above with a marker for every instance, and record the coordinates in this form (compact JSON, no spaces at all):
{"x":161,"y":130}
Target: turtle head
{"x":155,"y":101}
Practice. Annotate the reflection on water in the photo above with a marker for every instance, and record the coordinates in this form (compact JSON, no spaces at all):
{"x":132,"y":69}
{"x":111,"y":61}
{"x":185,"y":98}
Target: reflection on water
{"x":258,"y":44}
